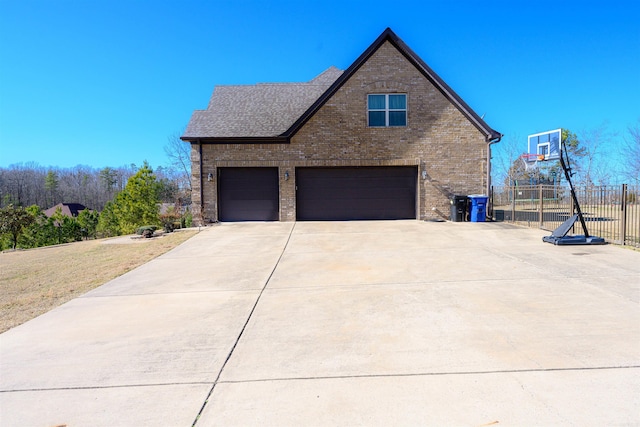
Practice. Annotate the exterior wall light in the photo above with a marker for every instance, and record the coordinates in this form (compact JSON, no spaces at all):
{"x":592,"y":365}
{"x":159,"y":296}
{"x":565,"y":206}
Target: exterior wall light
{"x":286,"y":176}
{"x":424,"y":174}
{"x":210,"y":177}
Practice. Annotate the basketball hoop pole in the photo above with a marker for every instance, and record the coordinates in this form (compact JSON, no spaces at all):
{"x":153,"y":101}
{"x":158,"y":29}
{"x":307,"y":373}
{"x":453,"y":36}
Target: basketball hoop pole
{"x":567,"y":174}
{"x":550,"y":146}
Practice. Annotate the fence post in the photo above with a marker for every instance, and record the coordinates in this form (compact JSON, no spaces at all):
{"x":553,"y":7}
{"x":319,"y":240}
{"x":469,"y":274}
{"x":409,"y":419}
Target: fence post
{"x":490,"y":207}
{"x":572,"y":210}
{"x":623,"y":215}
{"x":540,"y":207}
{"x":513,"y":204}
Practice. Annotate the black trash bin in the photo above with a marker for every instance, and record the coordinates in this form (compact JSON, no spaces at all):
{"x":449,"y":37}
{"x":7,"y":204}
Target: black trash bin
{"x":459,"y":208}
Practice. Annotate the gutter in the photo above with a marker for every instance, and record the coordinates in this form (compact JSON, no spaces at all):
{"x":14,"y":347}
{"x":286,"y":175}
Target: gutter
{"x":490,"y":141}
{"x":279,"y":139}
{"x":201,"y":181}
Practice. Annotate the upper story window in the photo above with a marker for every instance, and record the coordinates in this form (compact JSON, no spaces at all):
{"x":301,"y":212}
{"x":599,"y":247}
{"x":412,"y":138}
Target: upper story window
{"x":388,"y":109}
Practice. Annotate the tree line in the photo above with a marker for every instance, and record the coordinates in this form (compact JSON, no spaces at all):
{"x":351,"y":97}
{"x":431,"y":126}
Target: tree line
{"x":31,"y":184}
{"x":136,"y":205}
{"x":117,"y":200}
{"x":27,"y":184}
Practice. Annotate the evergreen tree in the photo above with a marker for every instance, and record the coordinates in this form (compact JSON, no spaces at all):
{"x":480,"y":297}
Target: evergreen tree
{"x":51,"y":186}
{"x":68,"y":229}
{"x":13,"y":221}
{"x":42,"y":232}
{"x":108,"y":221}
{"x":88,"y":221}
{"x":135,"y":206}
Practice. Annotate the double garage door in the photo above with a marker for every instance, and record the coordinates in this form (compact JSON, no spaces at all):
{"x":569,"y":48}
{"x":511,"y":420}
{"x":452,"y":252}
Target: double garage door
{"x":339,"y":193}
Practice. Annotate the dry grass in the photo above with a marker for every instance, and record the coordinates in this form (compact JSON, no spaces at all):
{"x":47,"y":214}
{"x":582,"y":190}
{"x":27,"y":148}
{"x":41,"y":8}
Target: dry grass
{"x":34,"y":281}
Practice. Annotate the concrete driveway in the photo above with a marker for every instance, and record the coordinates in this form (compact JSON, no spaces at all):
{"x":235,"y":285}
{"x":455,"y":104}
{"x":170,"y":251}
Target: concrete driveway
{"x":341,"y":323}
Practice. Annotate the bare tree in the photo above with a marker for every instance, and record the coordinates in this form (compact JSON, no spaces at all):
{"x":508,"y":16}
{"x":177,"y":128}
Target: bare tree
{"x":631,"y":153}
{"x":179,"y":154}
{"x":507,"y":154}
{"x":595,"y":168}
{"x":24,"y":185}
{"x":31,"y":184}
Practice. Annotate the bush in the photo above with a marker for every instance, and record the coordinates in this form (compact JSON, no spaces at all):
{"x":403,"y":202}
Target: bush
{"x":187,"y":219}
{"x":170,"y":221}
{"x":146,"y":230}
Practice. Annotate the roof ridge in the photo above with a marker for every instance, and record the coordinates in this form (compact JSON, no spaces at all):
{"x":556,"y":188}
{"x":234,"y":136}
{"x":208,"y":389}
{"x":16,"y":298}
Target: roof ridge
{"x":317,"y":80}
{"x":327,"y":74}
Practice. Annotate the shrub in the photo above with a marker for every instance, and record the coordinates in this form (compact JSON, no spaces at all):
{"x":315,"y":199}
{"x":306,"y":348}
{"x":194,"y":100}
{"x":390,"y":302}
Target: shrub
{"x":170,"y":221}
{"x":146,"y":230}
{"x":187,"y":219}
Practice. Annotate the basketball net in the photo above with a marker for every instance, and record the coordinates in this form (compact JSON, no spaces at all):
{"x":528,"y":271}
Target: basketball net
{"x":531,"y":160}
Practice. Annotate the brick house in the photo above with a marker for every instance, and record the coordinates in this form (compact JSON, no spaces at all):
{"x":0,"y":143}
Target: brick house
{"x":385,"y":139}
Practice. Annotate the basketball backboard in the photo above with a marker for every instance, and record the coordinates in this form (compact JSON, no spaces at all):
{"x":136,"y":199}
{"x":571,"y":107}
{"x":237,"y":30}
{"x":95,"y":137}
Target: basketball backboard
{"x":546,"y":144}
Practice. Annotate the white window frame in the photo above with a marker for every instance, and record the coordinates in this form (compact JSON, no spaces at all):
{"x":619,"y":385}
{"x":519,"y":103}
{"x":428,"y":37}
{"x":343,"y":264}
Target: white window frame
{"x":387,"y":110}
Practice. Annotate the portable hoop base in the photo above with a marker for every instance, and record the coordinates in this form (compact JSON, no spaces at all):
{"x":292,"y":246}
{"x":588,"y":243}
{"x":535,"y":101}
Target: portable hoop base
{"x":574,"y":240}
{"x":559,"y":236}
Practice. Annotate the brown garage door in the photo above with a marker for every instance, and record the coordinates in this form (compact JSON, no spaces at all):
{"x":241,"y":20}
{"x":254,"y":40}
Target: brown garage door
{"x":351,"y":193}
{"x":248,"y":194}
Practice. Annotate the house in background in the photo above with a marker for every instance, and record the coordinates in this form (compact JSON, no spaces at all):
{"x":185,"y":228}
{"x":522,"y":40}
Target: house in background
{"x":385,"y":139}
{"x":68,"y":209}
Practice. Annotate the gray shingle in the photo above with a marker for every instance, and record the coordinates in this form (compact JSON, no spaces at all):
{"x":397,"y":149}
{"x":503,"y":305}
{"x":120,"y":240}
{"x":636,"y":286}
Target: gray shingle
{"x":261,"y":110}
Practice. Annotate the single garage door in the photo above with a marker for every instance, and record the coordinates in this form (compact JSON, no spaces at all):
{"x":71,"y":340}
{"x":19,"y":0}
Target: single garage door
{"x":248,"y":194}
{"x":356,"y":193}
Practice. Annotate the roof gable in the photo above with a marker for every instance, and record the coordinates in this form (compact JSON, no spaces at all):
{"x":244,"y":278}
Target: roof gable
{"x":261,"y":111}
{"x":416,"y":61}
{"x":275,"y":112}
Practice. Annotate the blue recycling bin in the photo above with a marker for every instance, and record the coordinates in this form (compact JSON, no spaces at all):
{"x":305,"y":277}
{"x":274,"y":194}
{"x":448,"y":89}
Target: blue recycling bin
{"x":478,"y":207}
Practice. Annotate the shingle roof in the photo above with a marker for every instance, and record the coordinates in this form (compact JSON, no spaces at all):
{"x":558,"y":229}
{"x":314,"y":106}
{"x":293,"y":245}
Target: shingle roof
{"x":257,"y":111}
{"x":67,"y":209}
{"x":275,"y":112}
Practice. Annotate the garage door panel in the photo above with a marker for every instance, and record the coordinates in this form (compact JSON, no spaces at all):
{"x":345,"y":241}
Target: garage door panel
{"x":356,"y":193}
{"x":248,"y":194}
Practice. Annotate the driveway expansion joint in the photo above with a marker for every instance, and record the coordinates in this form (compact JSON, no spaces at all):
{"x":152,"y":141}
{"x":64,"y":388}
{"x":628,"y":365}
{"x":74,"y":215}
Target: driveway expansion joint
{"x":235,"y":344}
{"x":105,"y":387}
{"x":434,"y":374}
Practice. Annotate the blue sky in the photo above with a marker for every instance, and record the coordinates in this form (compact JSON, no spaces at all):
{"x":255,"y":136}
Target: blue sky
{"x":106,"y":83}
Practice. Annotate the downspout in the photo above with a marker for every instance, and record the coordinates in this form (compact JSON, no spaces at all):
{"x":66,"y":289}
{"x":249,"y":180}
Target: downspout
{"x":488,"y":189}
{"x":201,"y":182}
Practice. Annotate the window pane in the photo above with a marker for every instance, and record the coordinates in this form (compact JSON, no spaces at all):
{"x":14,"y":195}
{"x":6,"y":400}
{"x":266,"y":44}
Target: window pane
{"x":397,"y":118}
{"x":376,"y":118}
{"x":398,"y":102}
{"x":376,"y":102}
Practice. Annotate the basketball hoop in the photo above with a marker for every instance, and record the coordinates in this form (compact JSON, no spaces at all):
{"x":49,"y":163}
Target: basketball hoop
{"x":531,"y":160}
